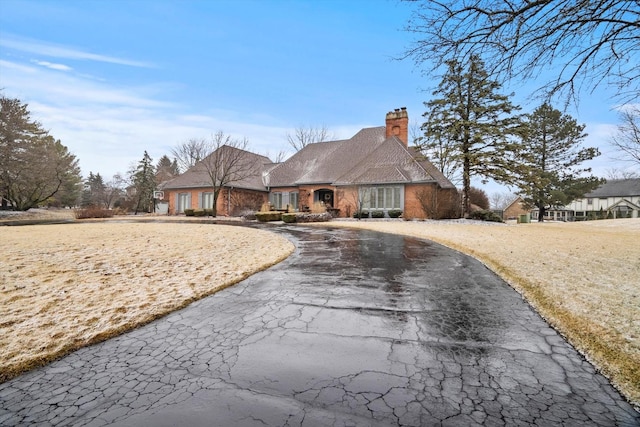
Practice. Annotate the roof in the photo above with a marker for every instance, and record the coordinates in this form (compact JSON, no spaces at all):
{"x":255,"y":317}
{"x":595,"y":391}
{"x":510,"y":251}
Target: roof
{"x":197,"y":176}
{"x":368,"y":158}
{"x":325,"y":162}
{"x":617,"y":188}
{"x":365,"y":159}
{"x":392,"y":163}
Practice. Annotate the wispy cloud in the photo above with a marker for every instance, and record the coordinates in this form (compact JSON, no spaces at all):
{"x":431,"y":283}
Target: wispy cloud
{"x":109,"y":126}
{"x":53,"y":66}
{"x":57,"y":51}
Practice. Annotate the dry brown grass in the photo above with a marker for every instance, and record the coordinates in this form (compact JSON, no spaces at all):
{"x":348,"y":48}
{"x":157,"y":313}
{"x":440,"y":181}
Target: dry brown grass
{"x":66,"y":286}
{"x":583,"y":278}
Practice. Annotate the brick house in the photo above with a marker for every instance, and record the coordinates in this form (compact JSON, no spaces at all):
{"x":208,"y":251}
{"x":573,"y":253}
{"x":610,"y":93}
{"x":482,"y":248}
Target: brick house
{"x":374,"y":170}
{"x":192,"y":189}
{"x":514,"y":209}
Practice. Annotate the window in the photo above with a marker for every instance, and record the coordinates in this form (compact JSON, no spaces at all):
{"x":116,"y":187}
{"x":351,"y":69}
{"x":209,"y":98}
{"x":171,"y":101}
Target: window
{"x":276,"y":200}
{"x":589,"y":201}
{"x":207,"y":201}
{"x":183,"y":201}
{"x":381,"y":197}
{"x":293,"y":200}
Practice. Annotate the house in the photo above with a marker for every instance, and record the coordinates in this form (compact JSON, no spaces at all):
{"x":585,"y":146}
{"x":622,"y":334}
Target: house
{"x":514,"y":209}
{"x":374,"y":170}
{"x":618,"y":198}
{"x":193,"y":189}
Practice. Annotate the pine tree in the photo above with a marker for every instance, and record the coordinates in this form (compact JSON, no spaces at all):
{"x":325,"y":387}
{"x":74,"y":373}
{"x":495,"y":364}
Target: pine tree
{"x":143,"y":179}
{"x":469,"y":126}
{"x":549,"y":160}
{"x":34,"y":166}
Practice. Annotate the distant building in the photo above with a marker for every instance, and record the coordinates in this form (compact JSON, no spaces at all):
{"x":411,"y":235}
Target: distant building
{"x":619,"y":198}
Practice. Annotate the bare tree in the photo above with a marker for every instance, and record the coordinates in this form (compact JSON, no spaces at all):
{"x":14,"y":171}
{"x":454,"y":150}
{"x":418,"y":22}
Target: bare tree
{"x":501,"y":200}
{"x":187,"y":154}
{"x":627,"y":139}
{"x":593,"y":42}
{"x":615,"y":173}
{"x":228,"y":162}
{"x":304,"y":136}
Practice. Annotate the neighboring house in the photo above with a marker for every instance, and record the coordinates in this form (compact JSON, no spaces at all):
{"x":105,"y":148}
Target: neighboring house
{"x":514,"y":209}
{"x":374,"y":170}
{"x":619,"y":198}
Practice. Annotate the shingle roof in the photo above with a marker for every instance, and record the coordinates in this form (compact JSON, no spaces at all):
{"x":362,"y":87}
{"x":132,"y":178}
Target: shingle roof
{"x":617,"y":188}
{"x":391,"y":162}
{"x":365,"y":159}
{"x":197,"y":176}
{"x":325,"y":162}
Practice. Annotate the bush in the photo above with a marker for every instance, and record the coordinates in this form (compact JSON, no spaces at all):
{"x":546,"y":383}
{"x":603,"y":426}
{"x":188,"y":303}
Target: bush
{"x":248,"y":215}
{"x":189,"y":212}
{"x":198,"y":212}
{"x":313,"y":217}
{"x":394,"y":213}
{"x":289,"y":217}
{"x":485,"y":215}
{"x":361,"y":214}
{"x":208,"y":212}
{"x":377,"y":214}
{"x":268,"y":216}
{"x":92,"y":212}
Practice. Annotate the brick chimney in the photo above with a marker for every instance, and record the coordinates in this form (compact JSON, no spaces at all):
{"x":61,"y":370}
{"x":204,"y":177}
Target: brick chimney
{"x":397,"y":123}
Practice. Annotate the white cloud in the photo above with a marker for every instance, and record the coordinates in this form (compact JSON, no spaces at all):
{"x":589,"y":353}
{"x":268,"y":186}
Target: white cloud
{"x":51,"y":65}
{"x":57,"y":51}
{"x":108,"y":127}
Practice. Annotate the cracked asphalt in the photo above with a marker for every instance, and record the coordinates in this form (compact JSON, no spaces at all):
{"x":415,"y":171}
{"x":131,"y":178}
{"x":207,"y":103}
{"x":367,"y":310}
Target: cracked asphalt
{"x":356,"y":328}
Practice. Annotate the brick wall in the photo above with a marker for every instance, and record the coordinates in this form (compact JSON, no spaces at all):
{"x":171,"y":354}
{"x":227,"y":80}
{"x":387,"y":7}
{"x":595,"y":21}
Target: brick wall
{"x":230,"y":202}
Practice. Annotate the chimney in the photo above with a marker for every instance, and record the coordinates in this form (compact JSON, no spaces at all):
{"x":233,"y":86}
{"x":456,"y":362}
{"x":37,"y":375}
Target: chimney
{"x":397,"y":123}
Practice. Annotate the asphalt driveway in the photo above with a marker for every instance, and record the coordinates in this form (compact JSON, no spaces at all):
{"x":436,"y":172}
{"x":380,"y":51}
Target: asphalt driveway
{"x":355,"y":328}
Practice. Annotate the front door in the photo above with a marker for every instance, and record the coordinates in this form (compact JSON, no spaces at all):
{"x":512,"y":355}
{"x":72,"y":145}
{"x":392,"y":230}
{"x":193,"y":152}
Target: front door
{"x":325,"y":196}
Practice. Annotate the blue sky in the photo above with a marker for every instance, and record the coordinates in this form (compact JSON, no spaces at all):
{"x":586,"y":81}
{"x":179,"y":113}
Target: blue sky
{"x":112,"y":79}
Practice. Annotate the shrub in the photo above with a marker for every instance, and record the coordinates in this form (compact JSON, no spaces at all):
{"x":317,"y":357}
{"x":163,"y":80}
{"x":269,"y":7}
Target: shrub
{"x":485,"y":215}
{"x":198,"y":212}
{"x":189,"y":212}
{"x":249,"y":215}
{"x":92,"y":212}
{"x":394,"y":213}
{"x":318,"y":207}
{"x":361,"y":214}
{"x":289,"y":217}
{"x":313,"y":217}
{"x":377,"y":214}
{"x":208,"y":212}
{"x":268,"y":216}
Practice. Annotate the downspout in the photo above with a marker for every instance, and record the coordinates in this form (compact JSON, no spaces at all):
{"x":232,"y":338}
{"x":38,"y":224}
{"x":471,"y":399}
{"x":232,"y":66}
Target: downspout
{"x":229,"y":201}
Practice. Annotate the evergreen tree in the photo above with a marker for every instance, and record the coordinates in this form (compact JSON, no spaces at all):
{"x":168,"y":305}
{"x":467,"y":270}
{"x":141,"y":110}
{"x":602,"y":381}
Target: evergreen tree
{"x":550,"y":157}
{"x":143,"y":179}
{"x":166,"y":169}
{"x":469,"y":124}
{"x":34,"y":166}
{"x":94,"y":190}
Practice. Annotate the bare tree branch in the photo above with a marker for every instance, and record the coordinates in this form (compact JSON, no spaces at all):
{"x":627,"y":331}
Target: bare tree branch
{"x":304,"y":136}
{"x":594,"y":42}
{"x":190,"y":152}
{"x":627,"y":139}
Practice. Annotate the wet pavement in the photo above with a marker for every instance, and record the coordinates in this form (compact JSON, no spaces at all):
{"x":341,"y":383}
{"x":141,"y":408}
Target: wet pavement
{"x":356,"y":328}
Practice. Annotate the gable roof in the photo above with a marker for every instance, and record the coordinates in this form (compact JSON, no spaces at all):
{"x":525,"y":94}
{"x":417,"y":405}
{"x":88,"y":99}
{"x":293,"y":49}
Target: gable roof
{"x":197,"y":176}
{"x":393,"y":163}
{"x":617,"y":188}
